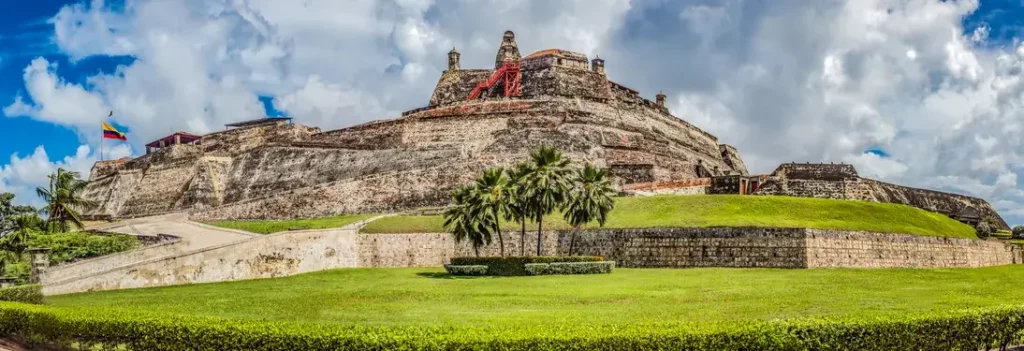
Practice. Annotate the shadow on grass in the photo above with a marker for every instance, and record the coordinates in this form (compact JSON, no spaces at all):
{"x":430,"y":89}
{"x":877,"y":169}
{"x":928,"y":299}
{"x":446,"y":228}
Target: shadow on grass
{"x":443,"y":275}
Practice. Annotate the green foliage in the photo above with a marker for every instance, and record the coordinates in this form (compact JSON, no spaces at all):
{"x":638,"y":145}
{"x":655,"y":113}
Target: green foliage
{"x":24,"y":294}
{"x":469,"y":219}
{"x":545,"y":187}
{"x":1018,"y":232}
{"x":20,"y":269}
{"x":9,"y":214}
{"x":465,"y":270}
{"x":736,"y":211}
{"x":495,"y":195}
{"x":570,"y":268}
{"x":516,"y":265}
{"x":590,"y":199}
{"x":67,"y":247}
{"x":984,"y":230}
{"x":268,"y":227}
{"x":962,"y":330}
{"x":64,"y":200}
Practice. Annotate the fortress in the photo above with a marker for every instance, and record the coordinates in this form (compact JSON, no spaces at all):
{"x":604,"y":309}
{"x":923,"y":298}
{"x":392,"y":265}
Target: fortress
{"x":271,"y":168}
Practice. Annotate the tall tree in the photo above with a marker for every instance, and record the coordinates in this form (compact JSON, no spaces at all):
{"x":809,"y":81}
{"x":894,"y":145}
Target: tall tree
{"x":465,"y":220}
{"x":590,"y":199}
{"x":546,"y":186}
{"x":518,"y":204}
{"x":16,"y":241}
{"x":494,"y":191}
{"x":9,"y":212}
{"x":64,"y":200}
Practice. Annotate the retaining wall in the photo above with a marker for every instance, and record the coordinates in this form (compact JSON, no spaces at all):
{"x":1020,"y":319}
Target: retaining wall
{"x":105,"y":263}
{"x":307,"y":251}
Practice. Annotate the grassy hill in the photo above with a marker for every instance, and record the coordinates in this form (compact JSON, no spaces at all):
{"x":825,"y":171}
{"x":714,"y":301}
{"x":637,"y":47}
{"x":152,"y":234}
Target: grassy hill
{"x":734,"y":211}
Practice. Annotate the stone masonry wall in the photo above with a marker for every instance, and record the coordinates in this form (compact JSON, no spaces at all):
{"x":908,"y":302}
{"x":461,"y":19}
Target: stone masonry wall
{"x":708,"y":247}
{"x":262,"y":257}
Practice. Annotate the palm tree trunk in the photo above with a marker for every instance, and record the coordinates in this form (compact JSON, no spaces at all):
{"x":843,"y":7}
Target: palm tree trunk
{"x":540,"y":234}
{"x":522,"y":237}
{"x":476,"y":250}
{"x":572,"y":239}
{"x":497,"y":229}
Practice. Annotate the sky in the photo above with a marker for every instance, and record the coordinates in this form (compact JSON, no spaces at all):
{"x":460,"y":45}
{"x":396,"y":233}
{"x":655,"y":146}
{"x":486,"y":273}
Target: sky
{"x":925,"y":93}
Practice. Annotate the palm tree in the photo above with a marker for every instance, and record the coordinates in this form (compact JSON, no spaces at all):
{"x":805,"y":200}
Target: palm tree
{"x":64,"y":199}
{"x":546,"y":186}
{"x":464,"y":220}
{"x":589,"y":200}
{"x":518,"y":204}
{"x":17,"y":240}
{"x":493,"y":188}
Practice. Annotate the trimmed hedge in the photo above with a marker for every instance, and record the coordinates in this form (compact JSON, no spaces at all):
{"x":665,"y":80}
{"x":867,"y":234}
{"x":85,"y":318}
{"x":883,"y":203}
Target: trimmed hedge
{"x":24,"y":293}
{"x":516,"y":265}
{"x":964,"y":330}
{"x":570,"y":268}
{"x":466,"y":270}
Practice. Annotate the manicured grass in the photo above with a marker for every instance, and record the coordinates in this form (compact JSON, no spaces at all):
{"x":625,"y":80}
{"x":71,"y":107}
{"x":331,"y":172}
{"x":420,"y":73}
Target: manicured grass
{"x":733,"y":211}
{"x":628,"y":297}
{"x":267,"y":227}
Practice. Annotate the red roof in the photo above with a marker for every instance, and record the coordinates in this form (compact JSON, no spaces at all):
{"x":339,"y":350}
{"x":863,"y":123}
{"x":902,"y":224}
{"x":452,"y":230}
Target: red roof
{"x":169,"y":140}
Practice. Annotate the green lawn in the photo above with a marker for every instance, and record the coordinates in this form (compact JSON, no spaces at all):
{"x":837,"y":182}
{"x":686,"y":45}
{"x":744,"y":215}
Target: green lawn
{"x":418,"y":297}
{"x":267,"y":227}
{"x":734,"y":211}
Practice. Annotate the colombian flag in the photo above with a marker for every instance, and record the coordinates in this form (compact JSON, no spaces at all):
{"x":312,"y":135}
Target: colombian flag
{"x":109,"y":132}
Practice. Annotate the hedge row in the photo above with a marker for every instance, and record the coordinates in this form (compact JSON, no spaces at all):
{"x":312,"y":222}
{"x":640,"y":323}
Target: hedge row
{"x":966,"y":330}
{"x":466,"y":270}
{"x":516,"y":265}
{"x":570,"y":268}
{"x":24,"y":293}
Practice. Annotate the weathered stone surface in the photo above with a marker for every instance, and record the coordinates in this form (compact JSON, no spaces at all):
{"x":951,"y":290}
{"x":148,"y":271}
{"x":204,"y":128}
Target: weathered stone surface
{"x":841,"y":181}
{"x":283,"y":170}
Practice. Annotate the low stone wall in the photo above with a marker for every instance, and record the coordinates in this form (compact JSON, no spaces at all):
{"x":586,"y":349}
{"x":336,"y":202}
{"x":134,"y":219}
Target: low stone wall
{"x":263,"y":257}
{"x":837,"y":248}
{"x":307,"y":251}
{"x":692,"y":247}
{"x":436,"y":249}
{"x":105,"y":263}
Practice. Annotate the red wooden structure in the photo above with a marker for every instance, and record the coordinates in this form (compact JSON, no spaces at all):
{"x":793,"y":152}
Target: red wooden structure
{"x":509,"y":73}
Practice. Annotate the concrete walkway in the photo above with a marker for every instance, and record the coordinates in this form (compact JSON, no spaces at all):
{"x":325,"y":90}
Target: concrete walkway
{"x":196,"y":235}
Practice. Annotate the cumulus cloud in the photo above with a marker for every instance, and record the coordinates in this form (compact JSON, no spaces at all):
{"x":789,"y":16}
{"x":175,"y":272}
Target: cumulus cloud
{"x":782,"y":81}
{"x":23,"y":174}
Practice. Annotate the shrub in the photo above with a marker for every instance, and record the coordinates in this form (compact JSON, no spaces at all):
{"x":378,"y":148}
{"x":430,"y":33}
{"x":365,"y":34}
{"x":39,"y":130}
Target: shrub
{"x":68,"y":247}
{"x":1018,"y":232}
{"x":984,"y":230}
{"x":24,"y":293}
{"x":516,"y":265}
{"x":964,"y":330}
{"x":466,"y":270}
{"x":569,"y":268}
{"x":20,"y":270}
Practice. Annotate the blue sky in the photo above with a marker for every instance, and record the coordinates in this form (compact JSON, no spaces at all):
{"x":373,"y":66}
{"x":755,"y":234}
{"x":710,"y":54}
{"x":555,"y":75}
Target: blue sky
{"x":902,"y":89}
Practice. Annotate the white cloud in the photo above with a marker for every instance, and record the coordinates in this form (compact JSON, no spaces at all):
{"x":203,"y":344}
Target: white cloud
{"x":782,"y":81}
{"x":22,"y":175}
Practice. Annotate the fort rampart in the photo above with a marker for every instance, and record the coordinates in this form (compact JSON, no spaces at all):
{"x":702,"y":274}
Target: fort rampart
{"x":296,"y":252}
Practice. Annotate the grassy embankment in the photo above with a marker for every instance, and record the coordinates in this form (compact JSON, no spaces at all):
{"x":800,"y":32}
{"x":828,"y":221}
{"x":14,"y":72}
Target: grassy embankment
{"x":268,"y":227}
{"x":426,"y":297}
{"x":733,"y":211}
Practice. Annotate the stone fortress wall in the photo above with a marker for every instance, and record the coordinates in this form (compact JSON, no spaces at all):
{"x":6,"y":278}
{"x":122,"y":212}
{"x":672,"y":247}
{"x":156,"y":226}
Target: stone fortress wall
{"x":284,"y":170}
{"x":841,"y":181}
{"x":295,"y":252}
